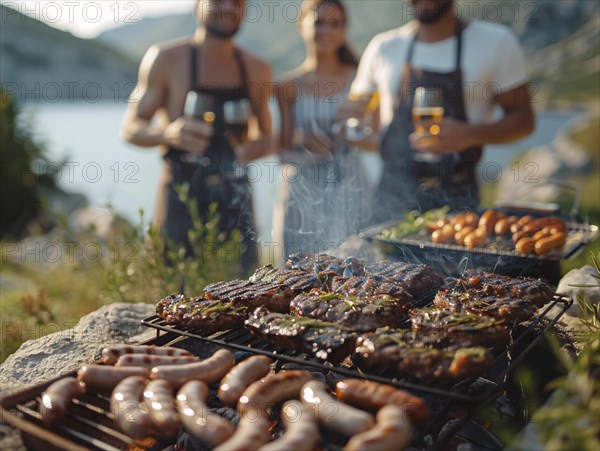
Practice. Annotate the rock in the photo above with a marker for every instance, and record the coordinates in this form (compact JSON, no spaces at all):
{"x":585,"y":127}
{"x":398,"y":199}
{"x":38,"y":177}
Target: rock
{"x":581,"y":276}
{"x":96,"y":218}
{"x":52,"y":355}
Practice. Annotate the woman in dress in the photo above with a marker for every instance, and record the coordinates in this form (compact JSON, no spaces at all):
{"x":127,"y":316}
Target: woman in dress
{"x":324,"y":192}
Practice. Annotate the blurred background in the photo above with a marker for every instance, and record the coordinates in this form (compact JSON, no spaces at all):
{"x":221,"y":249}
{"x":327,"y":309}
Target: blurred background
{"x":67,"y":69}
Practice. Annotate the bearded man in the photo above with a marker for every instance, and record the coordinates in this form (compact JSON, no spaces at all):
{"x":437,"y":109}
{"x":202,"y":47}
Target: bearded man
{"x":202,"y":149}
{"x":465,"y":70}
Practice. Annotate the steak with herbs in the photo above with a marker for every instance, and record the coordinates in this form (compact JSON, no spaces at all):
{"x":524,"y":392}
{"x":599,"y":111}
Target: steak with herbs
{"x":206,"y":316}
{"x":412,"y":356}
{"x":326,"y":263}
{"x":419,"y":280}
{"x":275,"y":296}
{"x":470,"y":330}
{"x":355,"y":313}
{"x":501,"y":297}
{"x":297,"y":281}
{"x":318,"y":338}
{"x":370,"y":286}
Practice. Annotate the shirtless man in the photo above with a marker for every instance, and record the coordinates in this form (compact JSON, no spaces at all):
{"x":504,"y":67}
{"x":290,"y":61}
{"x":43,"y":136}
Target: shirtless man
{"x":197,"y":152}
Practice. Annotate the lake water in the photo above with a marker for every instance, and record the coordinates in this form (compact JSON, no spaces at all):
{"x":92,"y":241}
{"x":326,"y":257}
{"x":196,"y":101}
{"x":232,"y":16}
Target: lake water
{"x":107,"y":170}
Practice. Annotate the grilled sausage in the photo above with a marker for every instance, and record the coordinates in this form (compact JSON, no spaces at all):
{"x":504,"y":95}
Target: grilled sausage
{"x":150,"y":361}
{"x":522,"y":222}
{"x":503,"y":225}
{"x":209,"y":370}
{"x":391,"y":433}
{"x":539,"y":224}
{"x":273,"y":389}
{"x":488,"y":220}
{"x":241,"y":376}
{"x":520,"y":235}
{"x":544,"y":233}
{"x":443,"y":235}
{"x":459,"y":236}
{"x":57,"y":397}
{"x":372,"y":396}
{"x":158,"y":396}
{"x":476,"y":238}
{"x":471,"y":219}
{"x":103,"y":379}
{"x":110,"y":355}
{"x":335,"y":415}
{"x":252,"y":432}
{"x":552,"y":242}
{"x":525,"y":246}
{"x":125,"y":406}
{"x":301,"y":430}
{"x":206,"y":426}
{"x":459,"y":221}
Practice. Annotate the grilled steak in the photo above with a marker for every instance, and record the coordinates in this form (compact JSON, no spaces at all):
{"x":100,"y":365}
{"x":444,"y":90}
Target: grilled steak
{"x":370,"y":286}
{"x":360,"y":314}
{"x":406,"y":353}
{"x":501,"y":297}
{"x":317,"y":263}
{"x":470,"y":330}
{"x":198,"y":313}
{"x":297,"y":281}
{"x":274,"y":296}
{"x":419,"y":280}
{"x":321,"y":339}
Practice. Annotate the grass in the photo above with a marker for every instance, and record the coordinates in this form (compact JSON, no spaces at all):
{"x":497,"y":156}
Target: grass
{"x":40,"y":295}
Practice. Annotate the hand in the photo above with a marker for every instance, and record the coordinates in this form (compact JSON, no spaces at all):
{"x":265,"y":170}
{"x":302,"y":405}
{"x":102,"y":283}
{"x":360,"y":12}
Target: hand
{"x":454,"y":136}
{"x":318,"y":143}
{"x":353,"y":108}
{"x":190,"y":135}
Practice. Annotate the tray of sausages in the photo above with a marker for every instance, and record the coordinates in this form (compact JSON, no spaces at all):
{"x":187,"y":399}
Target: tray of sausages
{"x":502,"y":231}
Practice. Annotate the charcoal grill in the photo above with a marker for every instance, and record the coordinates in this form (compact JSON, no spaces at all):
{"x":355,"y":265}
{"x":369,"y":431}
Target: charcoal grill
{"x":90,"y":425}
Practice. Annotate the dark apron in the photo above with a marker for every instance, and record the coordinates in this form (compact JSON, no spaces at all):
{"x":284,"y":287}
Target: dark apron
{"x":407,"y":184}
{"x":220,"y":180}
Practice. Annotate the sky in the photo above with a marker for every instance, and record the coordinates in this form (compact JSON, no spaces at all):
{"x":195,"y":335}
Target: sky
{"x":87,"y":19}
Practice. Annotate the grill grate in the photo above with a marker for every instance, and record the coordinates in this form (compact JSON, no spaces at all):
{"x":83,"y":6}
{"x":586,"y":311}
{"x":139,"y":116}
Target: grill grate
{"x":242,"y":340}
{"x":90,"y":425}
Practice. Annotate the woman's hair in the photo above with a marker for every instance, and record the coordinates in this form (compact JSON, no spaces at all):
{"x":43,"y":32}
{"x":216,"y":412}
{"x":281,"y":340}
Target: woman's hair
{"x":345,"y":53}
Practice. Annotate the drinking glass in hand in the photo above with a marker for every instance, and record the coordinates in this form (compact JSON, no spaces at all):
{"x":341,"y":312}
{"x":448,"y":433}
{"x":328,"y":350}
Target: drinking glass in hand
{"x":427,"y":108}
{"x":200,"y":107}
{"x":354,"y":129}
{"x":237,"y":114}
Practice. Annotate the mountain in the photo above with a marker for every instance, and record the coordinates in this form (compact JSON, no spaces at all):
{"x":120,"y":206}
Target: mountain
{"x":270,"y":34}
{"x":538,"y":24}
{"x":39,"y":62}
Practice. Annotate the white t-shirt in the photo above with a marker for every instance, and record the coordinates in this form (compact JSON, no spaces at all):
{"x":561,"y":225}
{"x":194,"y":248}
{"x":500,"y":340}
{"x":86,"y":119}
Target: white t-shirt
{"x":492,"y":60}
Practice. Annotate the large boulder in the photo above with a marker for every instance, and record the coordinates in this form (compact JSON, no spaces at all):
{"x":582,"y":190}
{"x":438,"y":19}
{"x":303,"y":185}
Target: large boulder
{"x":52,"y":355}
{"x":571,"y":283}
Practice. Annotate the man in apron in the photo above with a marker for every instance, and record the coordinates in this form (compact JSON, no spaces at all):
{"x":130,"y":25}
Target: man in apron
{"x":200,"y":153}
{"x":475,"y":66}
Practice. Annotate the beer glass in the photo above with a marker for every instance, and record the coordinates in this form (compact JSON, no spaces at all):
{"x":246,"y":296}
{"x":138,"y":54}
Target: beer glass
{"x":198,"y":106}
{"x":428,"y":107}
{"x":355,"y":129}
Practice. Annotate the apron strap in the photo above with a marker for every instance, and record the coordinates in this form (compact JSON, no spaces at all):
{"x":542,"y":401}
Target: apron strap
{"x":194,"y":66}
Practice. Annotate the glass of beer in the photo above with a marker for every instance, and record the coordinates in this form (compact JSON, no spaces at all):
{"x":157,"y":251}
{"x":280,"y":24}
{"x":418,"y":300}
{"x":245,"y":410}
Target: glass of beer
{"x":428,"y":107}
{"x":236,"y":115}
{"x":355,"y":129}
{"x":202,"y":107}
{"x":199,"y":106}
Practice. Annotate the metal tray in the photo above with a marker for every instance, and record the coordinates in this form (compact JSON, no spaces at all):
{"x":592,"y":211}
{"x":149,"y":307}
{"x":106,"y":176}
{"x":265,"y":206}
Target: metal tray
{"x":495,"y":256}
